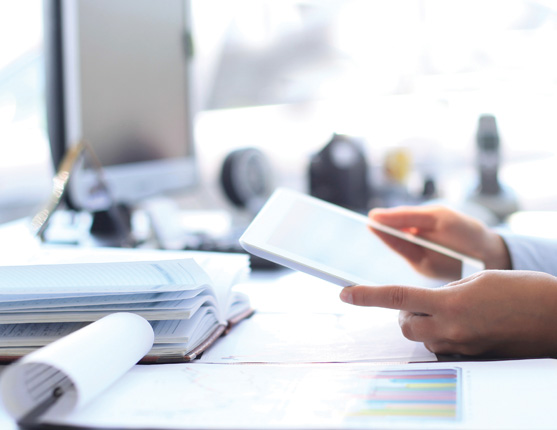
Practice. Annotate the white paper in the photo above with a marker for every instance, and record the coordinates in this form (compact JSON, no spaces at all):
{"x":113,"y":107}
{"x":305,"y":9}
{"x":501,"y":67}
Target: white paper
{"x":41,"y":334}
{"x":86,"y":315}
{"x":122,"y":277}
{"x":44,"y":301}
{"x":488,"y":395}
{"x":317,"y":338}
{"x":140,"y":279}
{"x":300,"y":319}
{"x":85,"y":362}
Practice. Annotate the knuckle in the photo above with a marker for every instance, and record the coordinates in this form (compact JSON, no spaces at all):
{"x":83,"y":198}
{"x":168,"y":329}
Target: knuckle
{"x":359,"y":296}
{"x":454,"y":305}
{"x":437,"y":348}
{"x":438,"y":210}
{"x":397,"y":297}
{"x":470,"y":350}
{"x":456,"y":334}
{"x":430,"y":347}
{"x":448,"y":347}
{"x":487,"y":276}
{"x":407,"y":330}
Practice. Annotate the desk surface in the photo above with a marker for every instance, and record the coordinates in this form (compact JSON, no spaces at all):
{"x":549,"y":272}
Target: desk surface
{"x":308,"y":359}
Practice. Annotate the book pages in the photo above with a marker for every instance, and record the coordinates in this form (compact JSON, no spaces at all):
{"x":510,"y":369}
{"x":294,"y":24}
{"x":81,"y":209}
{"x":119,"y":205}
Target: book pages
{"x":187,"y":302}
{"x":117,"y":277}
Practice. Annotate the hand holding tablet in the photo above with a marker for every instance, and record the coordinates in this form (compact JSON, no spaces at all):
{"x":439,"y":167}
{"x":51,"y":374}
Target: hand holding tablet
{"x":336,"y":244}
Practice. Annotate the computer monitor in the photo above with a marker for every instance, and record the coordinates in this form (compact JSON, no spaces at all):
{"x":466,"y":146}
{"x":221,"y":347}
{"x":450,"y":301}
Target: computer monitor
{"x":118,"y":78}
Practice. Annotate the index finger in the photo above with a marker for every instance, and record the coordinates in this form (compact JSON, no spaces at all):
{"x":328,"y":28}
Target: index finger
{"x":406,"y":217}
{"x":407,"y":249}
{"x":411,"y":299}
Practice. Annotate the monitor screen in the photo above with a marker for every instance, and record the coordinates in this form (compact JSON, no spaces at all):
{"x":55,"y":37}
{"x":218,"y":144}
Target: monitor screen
{"x":123,"y":87}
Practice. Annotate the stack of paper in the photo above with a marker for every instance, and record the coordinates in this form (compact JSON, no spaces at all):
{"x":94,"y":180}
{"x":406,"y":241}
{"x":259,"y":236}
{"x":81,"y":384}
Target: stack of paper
{"x":186,"y":307}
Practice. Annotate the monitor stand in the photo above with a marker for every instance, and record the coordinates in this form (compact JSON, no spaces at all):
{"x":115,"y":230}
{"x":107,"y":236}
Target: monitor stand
{"x":112,"y":227}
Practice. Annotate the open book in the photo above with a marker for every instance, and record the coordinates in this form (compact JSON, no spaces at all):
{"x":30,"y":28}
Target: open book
{"x":187,"y":309}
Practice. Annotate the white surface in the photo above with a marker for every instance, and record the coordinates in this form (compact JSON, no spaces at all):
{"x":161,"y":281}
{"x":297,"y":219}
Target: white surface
{"x":496,"y":395}
{"x":300,"y":319}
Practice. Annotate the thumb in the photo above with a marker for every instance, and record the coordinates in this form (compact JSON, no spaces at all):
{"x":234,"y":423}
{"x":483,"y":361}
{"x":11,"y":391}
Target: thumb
{"x":412,"y":299}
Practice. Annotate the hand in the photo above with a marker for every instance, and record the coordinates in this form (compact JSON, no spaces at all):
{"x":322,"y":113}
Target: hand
{"x":445,"y":227}
{"x":491,"y":313}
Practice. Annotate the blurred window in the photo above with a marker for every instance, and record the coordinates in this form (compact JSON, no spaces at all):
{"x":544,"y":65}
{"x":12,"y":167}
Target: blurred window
{"x":25,"y":169}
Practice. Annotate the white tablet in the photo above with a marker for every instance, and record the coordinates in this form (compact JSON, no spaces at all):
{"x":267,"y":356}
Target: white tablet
{"x":333,"y":243}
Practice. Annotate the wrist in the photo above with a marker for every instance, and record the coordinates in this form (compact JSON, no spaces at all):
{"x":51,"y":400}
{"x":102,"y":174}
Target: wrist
{"x":497,"y":256}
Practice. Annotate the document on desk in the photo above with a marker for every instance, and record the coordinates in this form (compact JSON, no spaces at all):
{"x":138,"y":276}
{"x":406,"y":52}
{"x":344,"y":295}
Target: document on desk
{"x":471,"y":395}
{"x":318,"y":338}
{"x":74,"y":382}
{"x":300,"y":319}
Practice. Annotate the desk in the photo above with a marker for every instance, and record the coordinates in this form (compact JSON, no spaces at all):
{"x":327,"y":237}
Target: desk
{"x":307,"y":388}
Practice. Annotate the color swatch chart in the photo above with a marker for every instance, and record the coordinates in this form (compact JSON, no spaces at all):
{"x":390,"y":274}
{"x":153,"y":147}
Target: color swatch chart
{"x":428,"y":394}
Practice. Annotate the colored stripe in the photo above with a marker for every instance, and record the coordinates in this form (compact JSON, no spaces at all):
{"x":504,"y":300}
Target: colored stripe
{"x":434,"y":413}
{"x":415,"y":397}
{"x":432,"y":385}
{"x":409,"y":376}
{"x":423,"y":394}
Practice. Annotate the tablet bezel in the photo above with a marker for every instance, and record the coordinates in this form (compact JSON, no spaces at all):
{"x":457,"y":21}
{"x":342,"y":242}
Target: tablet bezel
{"x":255,"y":239}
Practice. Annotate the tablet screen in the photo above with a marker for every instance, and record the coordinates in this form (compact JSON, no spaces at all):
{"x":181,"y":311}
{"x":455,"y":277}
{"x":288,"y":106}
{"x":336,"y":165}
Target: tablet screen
{"x":333,"y":243}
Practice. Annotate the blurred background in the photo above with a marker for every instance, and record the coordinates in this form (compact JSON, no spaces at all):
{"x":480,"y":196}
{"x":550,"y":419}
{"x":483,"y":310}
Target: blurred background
{"x":408,"y":80}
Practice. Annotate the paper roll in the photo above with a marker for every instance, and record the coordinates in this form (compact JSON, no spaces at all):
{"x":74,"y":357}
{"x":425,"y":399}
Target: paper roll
{"x":73,"y":370}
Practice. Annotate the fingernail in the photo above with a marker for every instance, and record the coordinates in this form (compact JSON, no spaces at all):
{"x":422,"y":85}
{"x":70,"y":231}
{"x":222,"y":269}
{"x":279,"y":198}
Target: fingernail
{"x":346,"y":296}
